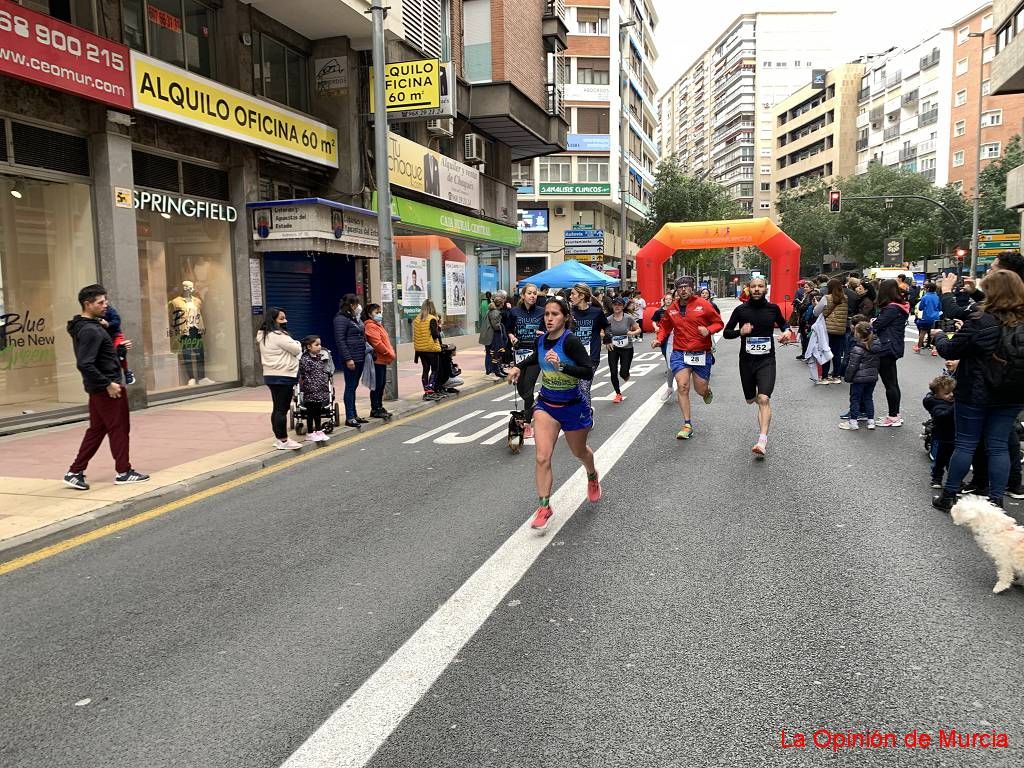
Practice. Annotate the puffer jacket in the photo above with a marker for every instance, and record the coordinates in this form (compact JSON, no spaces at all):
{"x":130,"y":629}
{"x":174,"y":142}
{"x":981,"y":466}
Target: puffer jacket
{"x":349,"y":338}
{"x":971,"y":345}
{"x":836,"y":316}
{"x":890,"y":328}
{"x":862,"y":364}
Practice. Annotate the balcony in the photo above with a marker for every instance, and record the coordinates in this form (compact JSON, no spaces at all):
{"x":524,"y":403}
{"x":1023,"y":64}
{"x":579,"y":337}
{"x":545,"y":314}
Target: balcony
{"x":893,"y":80}
{"x":907,"y":154}
{"x":554,"y":29}
{"x":910,"y":98}
{"x":926,"y":146}
{"x":862,"y":143}
{"x":556,"y":100}
{"x":876,"y":114}
{"x":929,"y":175}
{"x":931,"y":60}
{"x":863,"y":94}
{"x":929,"y":118}
{"x":892,"y":132}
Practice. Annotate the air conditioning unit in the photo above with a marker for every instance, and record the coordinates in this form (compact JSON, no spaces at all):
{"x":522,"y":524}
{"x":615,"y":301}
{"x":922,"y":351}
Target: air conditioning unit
{"x":442,"y":126}
{"x":559,"y":210}
{"x":474,"y":148}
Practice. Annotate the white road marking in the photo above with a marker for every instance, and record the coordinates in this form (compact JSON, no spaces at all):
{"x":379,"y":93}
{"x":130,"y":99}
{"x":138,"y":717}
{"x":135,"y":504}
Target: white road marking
{"x":442,"y":428}
{"x":454,"y":438}
{"x":358,"y":728}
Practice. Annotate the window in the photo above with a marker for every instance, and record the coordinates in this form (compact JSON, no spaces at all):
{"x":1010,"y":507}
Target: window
{"x":992,"y":117}
{"x":958,"y":159}
{"x":476,"y":40}
{"x":766,"y":151}
{"x":928,"y":164}
{"x":986,"y":22}
{"x":962,"y":35}
{"x":765,"y":205}
{"x":766,"y":63}
{"x":766,"y":186}
{"x":986,"y":87}
{"x":960,"y":128}
{"x":961,"y":98}
{"x":988,"y":54}
{"x":522,"y":173}
{"x":592,"y":120}
{"x":591,"y":21}
{"x":555,"y":169}
{"x":766,"y":170}
{"x":961,"y":67}
{"x":592,"y":168}
{"x":592,"y":72}
{"x":990,"y":151}
{"x":179,"y":32}
{"x":283,"y":72}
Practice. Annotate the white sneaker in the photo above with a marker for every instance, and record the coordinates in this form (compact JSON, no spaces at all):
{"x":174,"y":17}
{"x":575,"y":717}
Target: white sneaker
{"x":286,"y":445}
{"x":206,"y":381}
{"x":851,"y":424}
{"x":322,"y":436}
{"x":666,"y":394}
{"x":191,"y":383}
{"x":454,"y":381}
{"x":312,"y":437}
{"x":871,"y":423}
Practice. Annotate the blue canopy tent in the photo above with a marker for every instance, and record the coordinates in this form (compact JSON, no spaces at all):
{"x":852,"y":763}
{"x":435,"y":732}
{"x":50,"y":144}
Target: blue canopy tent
{"x":567,"y":274}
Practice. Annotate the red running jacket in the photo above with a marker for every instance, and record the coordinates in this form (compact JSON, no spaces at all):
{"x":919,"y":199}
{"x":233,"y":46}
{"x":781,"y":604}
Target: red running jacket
{"x":683,"y":324}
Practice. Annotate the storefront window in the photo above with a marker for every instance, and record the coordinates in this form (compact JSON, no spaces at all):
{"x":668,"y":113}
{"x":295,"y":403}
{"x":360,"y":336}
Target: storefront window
{"x":47,"y":254}
{"x":441,"y":269}
{"x":188,"y":301}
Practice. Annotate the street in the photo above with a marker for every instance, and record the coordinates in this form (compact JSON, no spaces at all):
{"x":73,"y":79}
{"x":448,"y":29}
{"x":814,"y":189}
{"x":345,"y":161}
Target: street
{"x":384,"y":603}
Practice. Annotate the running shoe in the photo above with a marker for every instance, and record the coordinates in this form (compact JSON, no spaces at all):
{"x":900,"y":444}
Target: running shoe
{"x":821,"y":382}
{"x":891,"y":421}
{"x":1016,"y":493}
{"x":666,"y":394}
{"x":849,"y":424}
{"x":685,"y":432}
{"x":286,"y":445}
{"x":937,"y":484}
{"x":312,"y":437}
{"x":618,"y":398}
{"x":871,"y":423}
{"x":760,"y":448}
{"x":594,"y":489}
{"x":76,"y":480}
{"x":528,"y":432}
{"x":708,"y":397}
{"x":541,"y":517}
{"x":131,"y":476}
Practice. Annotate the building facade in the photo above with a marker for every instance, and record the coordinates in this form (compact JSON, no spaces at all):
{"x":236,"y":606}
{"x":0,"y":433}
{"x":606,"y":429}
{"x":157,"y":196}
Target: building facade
{"x":904,"y":107}
{"x":206,"y":160}
{"x":816,"y":132}
{"x":610,"y":105}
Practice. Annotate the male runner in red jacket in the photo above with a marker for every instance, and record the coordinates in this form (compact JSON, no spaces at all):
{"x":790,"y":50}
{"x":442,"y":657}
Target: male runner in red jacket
{"x":691,"y":320}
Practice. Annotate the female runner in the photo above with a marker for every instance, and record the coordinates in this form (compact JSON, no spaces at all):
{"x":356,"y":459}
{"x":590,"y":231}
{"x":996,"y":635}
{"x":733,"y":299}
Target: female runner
{"x":561,"y":405}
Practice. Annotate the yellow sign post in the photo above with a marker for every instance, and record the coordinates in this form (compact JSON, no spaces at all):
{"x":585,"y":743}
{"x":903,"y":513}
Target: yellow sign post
{"x":411,"y":85}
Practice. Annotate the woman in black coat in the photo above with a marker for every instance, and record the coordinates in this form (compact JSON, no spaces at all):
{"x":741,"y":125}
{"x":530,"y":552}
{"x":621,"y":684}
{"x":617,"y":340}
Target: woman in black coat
{"x":350,"y":340}
{"x":890,"y":328}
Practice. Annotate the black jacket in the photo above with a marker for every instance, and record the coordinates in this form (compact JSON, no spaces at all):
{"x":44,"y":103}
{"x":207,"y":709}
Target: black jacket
{"x":94,"y":354}
{"x":943,"y":424}
{"x":953,"y":309}
{"x":890,"y":326}
{"x":972,"y":345}
{"x":349,"y":339}
{"x":862,"y":364}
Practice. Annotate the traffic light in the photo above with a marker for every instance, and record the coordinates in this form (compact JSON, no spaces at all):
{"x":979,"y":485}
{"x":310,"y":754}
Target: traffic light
{"x":835,"y":201}
{"x":960,"y":253}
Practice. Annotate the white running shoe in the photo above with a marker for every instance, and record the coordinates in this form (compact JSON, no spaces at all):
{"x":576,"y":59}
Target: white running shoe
{"x":322,"y":436}
{"x":312,"y":437}
{"x":871,"y":423}
{"x":666,"y":394}
{"x":287,"y":445}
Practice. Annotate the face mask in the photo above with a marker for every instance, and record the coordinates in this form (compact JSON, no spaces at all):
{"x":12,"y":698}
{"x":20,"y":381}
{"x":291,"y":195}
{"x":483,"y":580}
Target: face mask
{"x":283,"y":326}
{"x":378,"y":318}
{"x":359,"y":309}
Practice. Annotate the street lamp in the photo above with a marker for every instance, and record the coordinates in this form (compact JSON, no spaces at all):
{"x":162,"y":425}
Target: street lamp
{"x":977,"y":165}
{"x":623,"y":162}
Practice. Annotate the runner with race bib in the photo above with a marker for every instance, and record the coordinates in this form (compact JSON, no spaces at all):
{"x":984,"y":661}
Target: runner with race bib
{"x":523,"y":325}
{"x":618,"y":340}
{"x":691,"y":320}
{"x":754,"y":323}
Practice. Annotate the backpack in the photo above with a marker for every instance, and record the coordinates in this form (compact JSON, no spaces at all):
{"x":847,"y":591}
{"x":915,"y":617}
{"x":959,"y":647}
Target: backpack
{"x":1004,"y":367}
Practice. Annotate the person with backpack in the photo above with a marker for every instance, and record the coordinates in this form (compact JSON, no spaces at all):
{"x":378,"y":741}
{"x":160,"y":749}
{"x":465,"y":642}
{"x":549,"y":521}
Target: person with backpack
{"x":989,"y":384}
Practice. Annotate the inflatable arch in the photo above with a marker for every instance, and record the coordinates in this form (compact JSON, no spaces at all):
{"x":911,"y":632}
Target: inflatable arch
{"x":738,"y":233}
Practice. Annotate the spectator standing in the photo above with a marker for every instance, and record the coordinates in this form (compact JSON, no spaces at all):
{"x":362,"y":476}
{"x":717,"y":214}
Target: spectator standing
{"x":889,"y":327}
{"x":383,"y":356}
{"x":279,"y":355}
{"x":350,"y":340}
{"x":939,"y":404}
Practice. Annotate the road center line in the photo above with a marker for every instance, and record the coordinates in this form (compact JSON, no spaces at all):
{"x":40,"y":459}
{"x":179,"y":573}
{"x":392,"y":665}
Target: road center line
{"x":356,"y":730}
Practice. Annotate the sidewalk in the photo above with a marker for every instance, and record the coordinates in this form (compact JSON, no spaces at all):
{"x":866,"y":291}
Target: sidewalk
{"x":180,"y":445}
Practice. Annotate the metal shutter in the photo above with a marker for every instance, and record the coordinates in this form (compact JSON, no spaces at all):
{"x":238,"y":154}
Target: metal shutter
{"x":202,"y":181}
{"x":155,"y":171}
{"x":422,"y":22}
{"x":43,"y":148}
{"x":288,"y":280}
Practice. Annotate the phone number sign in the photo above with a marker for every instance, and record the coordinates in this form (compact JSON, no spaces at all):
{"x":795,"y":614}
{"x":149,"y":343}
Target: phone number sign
{"x":40,"y":49}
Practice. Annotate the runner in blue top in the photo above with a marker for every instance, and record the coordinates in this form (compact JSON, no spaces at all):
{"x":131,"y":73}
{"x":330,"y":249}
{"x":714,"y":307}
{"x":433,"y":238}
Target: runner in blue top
{"x":589,"y":324}
{"x":561,"y":405}
{"x":523,"y":325}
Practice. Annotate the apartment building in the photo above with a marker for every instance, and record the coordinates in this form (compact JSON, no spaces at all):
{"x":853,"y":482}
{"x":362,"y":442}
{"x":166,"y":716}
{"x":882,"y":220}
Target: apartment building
{"x":204,"y":160}
{"x":609,"y":97}
{"x":816,"y":131}
{"x":718,"y":117}
{"x":1002,"y":117}
{"x":905,"y":106}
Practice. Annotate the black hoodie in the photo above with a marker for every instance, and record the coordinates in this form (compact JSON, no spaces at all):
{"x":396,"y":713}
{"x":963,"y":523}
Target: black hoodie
{"x":94,"y":354}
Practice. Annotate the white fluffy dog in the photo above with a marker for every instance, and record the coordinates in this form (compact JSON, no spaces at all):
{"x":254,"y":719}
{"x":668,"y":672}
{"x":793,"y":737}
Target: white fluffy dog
{"x":997,"y":533}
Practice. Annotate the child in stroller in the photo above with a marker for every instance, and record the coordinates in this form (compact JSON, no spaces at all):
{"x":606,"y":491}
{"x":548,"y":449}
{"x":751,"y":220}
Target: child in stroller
{"x":314,"y":399}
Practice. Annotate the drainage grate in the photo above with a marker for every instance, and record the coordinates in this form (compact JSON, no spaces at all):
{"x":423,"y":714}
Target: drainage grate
{"x":42,"y":148}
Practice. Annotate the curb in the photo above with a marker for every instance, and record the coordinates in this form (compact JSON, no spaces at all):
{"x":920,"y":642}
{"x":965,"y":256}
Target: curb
{"x":96,"y":518}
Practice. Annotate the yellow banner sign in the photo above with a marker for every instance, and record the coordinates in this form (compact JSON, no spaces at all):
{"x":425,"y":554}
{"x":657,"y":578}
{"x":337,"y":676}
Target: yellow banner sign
{"x":172,"y":93}
{"x":411,"y":85}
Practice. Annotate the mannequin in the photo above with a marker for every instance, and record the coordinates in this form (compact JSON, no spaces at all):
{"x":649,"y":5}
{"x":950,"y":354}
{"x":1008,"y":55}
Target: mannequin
{"x":187,"y":328}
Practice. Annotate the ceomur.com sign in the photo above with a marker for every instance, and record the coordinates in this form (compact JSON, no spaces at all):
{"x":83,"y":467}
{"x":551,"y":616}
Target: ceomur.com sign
{"x":172,"y":93}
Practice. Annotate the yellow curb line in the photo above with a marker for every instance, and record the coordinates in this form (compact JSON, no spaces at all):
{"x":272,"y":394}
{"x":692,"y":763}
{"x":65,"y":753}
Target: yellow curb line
{"x":128,"y":522}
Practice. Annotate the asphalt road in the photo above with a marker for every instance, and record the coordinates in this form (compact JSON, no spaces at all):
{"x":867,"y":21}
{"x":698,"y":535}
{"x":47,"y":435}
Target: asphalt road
{"x":708,"y":603}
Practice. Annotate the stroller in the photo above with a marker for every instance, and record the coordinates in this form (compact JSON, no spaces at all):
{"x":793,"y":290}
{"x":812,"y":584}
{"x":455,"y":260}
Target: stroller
{"x":331,"y":416}
{"x":447,"y":369}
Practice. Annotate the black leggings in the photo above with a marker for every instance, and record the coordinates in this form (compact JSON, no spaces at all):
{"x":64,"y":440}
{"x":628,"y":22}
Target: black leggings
{"x":526,"y":385}
{"x":314,"y":411}
{"x":429,"y":361}
{"x":281,"y":394}
{"x":887,"y":372}
{"x":619,"y":360}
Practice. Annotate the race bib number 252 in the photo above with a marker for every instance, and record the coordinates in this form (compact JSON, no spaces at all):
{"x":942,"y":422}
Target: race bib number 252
{"x":758,"y":345}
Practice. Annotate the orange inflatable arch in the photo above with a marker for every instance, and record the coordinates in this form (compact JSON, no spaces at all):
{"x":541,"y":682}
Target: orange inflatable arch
{"x":738,"y":233}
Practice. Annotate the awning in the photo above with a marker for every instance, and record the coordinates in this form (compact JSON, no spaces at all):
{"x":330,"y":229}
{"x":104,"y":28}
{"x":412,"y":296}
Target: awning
{"x":316,"y":225}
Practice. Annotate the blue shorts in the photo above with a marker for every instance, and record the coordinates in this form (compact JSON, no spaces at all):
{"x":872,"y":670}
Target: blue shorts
{"x":677,"y":363}
{"x":571,"y":417}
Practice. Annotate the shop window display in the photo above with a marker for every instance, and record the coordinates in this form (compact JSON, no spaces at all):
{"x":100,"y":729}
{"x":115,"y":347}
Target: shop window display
{"x":438,"y":268}
{"x":47,"y":253}
{"x":188,"y":307}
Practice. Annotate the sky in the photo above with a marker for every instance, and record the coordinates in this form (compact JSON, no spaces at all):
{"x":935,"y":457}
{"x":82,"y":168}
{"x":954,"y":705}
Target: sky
{"x":687,"y":27}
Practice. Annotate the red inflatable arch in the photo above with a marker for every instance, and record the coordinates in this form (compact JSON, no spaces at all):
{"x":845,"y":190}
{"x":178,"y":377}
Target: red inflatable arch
{"x":763,"y":233}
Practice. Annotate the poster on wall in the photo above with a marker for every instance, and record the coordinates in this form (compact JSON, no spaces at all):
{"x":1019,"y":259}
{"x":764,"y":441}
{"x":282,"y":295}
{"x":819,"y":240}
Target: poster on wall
{"x":414,"y":282}
{"x":488,"y":278}
{"x":455,"y":287}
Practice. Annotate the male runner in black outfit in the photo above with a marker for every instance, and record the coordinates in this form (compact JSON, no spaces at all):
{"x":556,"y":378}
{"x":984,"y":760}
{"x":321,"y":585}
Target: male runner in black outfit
{"x":754,"y":322}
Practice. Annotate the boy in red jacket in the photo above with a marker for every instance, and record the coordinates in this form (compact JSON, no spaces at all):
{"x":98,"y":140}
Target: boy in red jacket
{"x":691,"y":320}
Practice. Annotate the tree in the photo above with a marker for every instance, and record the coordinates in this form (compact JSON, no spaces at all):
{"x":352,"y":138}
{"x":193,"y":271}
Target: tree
{"x":679,"y":197}
{"x":993,"y":213}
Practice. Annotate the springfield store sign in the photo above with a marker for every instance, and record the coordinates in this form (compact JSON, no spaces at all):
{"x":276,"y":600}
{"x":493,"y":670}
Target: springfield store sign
{"x":40,"y":49}
{"x":181,"y":206}
{"x":172,"y":93}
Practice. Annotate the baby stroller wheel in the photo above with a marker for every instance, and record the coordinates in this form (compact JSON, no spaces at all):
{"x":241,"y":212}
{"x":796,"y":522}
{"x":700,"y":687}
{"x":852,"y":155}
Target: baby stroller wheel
{"x":291,"y":420}
{"x":300,"y":428}
{"x":337,"y":414}
{"x":329,"y":427}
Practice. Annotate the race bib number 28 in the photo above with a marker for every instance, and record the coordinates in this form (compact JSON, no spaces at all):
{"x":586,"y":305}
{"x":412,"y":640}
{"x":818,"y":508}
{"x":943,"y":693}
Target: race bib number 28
{"x":758,"y":345}
{"x":695,"y":358}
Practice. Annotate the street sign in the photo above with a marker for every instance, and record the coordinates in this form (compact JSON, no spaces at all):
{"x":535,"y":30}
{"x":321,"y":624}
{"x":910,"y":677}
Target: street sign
{"x":592,"y":242}
{"x":1000,"y":245}
{"x":992,"y":236}
{"x":411,"y":85}
{"x":984,"y":261}
{"x":991,"y":231}
{"x":583,"y":250}
{"x":572,"y":234}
